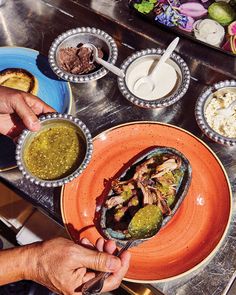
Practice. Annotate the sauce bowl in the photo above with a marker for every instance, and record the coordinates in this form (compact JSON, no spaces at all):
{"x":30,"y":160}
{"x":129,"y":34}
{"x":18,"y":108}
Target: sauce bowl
{"x":35,"y":158}
{"x":131,"y":67}
{"x":203,"y":101}
{"x":73,"y":38}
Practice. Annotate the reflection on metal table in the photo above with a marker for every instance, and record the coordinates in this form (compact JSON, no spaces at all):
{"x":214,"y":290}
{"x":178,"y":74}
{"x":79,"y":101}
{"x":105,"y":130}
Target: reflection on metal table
{"x":101,"y":106}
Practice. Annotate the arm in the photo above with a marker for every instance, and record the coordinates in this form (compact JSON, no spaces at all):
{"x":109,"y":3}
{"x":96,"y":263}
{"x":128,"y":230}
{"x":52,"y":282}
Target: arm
{"x":13,"y":262}
{"x":61,"y":265}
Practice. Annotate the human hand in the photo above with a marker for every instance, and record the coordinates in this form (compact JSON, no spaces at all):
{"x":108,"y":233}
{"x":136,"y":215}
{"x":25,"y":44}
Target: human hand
{"x":63,"y":266}
{"x":114,"y":279}
{"x":18,"y":110}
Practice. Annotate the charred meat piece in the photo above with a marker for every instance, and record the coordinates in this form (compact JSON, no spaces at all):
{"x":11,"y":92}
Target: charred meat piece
{"x":114,"y":201}
{"x":117,"y":186}
{"x":77,"y":60}
{"x":126,"y":192}
{"x":143,"y":171}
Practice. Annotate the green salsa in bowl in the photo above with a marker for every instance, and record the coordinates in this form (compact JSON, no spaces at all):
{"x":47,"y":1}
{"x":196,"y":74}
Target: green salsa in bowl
{"x":57,"y":153}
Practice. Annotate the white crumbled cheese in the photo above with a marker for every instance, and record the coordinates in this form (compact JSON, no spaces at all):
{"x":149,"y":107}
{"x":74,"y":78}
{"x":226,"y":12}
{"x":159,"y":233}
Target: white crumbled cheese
{"x":224,"y":125}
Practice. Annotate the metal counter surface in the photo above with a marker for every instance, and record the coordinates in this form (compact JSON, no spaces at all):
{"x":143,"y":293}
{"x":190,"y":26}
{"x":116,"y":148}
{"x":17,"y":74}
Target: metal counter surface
{"x":35,"y":24}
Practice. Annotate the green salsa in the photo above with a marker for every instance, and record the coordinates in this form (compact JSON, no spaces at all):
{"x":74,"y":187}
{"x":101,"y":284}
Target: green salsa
{"x":55,"y":152}
{"x":145,"y":222}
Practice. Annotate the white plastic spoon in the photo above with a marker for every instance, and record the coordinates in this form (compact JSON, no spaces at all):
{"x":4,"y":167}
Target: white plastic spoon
{"x":115,"y":70}
{"x":149,"y":80}
{"x":225,"y":112}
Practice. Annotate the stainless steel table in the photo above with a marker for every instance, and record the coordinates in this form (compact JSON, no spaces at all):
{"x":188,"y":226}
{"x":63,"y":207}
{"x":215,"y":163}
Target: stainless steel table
{"x":100,"y":105}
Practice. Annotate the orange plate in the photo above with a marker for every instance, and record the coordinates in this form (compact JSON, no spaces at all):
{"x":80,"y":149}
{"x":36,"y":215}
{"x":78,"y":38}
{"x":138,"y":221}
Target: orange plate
{"x":196,"y":230}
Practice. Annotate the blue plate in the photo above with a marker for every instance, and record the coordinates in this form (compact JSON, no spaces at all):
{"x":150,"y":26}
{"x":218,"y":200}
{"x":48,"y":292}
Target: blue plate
{"x":52,"y":90}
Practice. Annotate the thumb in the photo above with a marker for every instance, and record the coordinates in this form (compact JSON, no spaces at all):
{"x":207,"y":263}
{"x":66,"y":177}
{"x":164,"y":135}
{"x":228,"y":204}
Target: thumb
{"x":100,"y":261}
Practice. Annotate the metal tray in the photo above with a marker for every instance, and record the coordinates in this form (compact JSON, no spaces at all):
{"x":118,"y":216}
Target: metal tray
{"x":150,"y":16}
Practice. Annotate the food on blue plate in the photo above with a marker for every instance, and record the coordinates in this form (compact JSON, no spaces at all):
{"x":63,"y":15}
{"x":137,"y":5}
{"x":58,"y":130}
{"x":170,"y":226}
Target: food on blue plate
{"x":54,"y":152}
{"x":146,"y":195}
{"x":77,"y":60}
{"x":20,"y":79}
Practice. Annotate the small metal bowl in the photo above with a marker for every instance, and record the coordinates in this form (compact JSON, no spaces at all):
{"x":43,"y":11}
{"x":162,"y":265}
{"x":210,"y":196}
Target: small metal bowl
{"x":201,"y":104}
{"x":175,"y":61}
{"x":83,"y":35}
{"x":50,"y":120}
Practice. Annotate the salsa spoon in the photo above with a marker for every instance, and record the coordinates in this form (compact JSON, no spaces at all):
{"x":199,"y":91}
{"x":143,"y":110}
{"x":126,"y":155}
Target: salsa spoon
{"x":95,"y":285}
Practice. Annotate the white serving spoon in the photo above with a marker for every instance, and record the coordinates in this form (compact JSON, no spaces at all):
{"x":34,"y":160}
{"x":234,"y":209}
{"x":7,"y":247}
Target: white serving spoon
{"x":226,"y":112}
{"x":115,"y":70}
{"x":149,"y":80}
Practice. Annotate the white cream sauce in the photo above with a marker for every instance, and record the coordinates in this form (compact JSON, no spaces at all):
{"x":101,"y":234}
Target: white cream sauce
{"x":164,"y":82}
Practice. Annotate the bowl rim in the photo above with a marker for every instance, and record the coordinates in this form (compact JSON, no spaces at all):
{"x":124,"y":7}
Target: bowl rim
{"x":58,"y":182}
{"x":160,"y":102}
{"x":200,"y":117}
{"x":83,"y":77}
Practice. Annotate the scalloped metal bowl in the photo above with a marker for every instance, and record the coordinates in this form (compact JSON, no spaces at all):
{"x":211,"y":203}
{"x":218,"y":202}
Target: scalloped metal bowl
{"x":83,"y":35}
{"x":201,"y":104}
{"x":177,"y":93}
{"x":52,"y":120}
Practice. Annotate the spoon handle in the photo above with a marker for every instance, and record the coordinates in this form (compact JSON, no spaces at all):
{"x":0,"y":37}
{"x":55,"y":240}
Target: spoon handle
{"x":227,"y":111}
{"x":110,"y":67}
{"x":95,"y":285}
{"x":232,"y":105}
{"x":171,"y":47}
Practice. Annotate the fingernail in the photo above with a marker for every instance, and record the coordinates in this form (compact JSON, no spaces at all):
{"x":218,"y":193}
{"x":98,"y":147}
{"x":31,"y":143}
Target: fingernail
{"x":35,"y":125}
{"x":112,"y":263}
{"x":85,"y":241}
